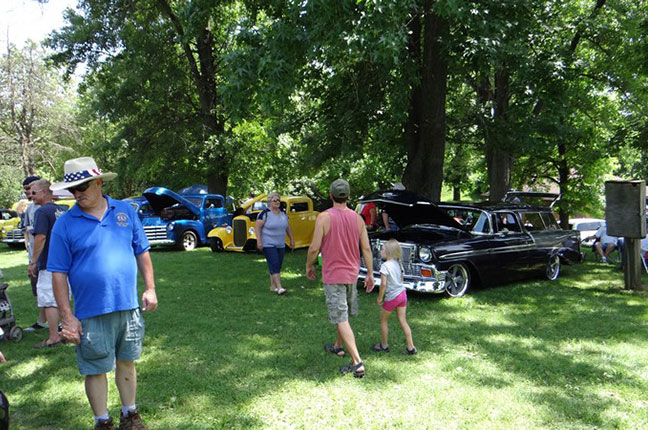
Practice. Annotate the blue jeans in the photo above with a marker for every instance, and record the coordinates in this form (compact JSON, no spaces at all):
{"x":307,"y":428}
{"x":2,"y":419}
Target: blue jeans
{"x":274,"y":257}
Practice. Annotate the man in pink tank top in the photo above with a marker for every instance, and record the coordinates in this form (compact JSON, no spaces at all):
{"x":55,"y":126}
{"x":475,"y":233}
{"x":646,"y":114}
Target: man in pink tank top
{"x":341,"y":233}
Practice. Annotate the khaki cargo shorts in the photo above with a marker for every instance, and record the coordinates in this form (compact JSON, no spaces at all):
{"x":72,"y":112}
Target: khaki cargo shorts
{"x":341,"y":301}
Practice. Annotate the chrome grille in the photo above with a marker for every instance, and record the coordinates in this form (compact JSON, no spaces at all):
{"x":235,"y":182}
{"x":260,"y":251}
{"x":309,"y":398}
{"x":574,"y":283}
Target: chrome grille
{"x":157,"y":232}
{"x":240,"y":232}
{"x":408,"y":251}
{"x":15,"y":235}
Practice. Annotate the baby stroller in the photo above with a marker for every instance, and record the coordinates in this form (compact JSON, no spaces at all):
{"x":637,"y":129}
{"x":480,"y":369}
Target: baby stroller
{"x":7,"y":318}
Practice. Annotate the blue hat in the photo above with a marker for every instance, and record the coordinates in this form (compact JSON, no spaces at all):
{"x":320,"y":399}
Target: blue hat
{"x":29,"y":179}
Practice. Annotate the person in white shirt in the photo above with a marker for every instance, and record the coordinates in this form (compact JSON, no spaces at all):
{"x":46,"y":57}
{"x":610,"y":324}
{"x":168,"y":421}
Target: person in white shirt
{"x":605,"y":244}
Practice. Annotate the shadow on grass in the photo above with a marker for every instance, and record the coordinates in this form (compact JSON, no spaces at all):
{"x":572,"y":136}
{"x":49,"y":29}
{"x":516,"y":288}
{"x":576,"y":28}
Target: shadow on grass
{"x":531,"y":344}
{"x":220,"y":341}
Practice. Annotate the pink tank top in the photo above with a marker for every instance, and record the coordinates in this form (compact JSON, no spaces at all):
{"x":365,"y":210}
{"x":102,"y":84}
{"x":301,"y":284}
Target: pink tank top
{"x":341,"y":248}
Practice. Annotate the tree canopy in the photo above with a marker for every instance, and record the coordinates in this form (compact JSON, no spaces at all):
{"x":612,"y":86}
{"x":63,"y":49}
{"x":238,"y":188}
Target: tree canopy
{"x":475,"y":96}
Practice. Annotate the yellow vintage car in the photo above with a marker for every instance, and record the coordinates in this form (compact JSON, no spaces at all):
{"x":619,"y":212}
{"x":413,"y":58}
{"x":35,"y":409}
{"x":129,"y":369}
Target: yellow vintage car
{"x":9,"y":220}
{"x":240,"y":237}
{"x":13,"y":236}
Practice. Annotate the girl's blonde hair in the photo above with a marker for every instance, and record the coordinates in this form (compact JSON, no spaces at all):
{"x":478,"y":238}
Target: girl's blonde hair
{"x":393,"y":250}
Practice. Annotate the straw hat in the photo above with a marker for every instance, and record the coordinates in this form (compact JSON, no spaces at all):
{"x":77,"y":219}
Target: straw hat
{"x":80,"y":170}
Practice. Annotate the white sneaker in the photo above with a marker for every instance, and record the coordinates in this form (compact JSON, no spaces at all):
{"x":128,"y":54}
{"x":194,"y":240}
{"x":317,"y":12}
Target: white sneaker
{"x":34,"y":327}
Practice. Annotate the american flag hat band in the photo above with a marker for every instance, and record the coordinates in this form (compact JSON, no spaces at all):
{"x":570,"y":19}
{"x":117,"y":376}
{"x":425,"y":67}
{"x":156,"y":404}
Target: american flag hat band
{"x":80,"y":170}
{"x":77,"y":176}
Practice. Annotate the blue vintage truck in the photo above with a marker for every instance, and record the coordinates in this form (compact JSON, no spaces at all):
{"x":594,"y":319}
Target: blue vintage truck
{"x":182,"y":219}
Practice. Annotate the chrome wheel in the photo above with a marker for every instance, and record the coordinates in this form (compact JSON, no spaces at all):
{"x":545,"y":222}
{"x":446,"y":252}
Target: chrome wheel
{"x":457,"y":280}
{"x":553,"y":268}
{"x":189,"y":240}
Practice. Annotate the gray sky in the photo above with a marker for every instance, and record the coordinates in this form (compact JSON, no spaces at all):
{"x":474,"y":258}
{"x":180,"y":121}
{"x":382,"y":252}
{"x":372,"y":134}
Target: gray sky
{"x":21,"y":20}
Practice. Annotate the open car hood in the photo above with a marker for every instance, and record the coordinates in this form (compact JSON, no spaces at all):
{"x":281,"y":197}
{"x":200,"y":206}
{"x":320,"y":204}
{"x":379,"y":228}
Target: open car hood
{"x":407,"y":208}
{"x":160,"y":198}
{"x":249,"y":202}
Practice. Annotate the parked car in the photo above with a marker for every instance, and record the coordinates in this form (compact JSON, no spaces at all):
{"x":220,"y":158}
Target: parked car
{"x":241,"y":236}
{"x":14,"y":236}
{"x":6,"y":214}
{"x":183,"y":220}
{"x":586,"y":227}
{"x":451,"y":247}
{"x":9,"y":220}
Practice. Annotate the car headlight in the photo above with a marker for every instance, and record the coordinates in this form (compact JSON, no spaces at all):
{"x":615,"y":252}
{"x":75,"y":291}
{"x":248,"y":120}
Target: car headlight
{"x":228,"y":230}
{"x":170,"y":226}
{"x":425,"y":254}
{"x":375,"y":246}
{"x":251,"y":231}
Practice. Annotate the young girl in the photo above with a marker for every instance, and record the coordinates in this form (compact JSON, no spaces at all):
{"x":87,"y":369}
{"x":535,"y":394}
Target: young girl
{"x":392,"y":296}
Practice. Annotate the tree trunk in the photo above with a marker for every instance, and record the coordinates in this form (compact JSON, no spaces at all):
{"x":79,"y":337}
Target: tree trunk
{"x":424,"y":171}
{"x":563,"y":175}
{"x":217,"y":181}
{"x":456,"y":194}
{"x":498,"y":161}
{"x":203,"y":74}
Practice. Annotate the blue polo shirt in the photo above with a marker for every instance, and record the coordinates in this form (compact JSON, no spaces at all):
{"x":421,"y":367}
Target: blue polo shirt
{"x":99,"y":257}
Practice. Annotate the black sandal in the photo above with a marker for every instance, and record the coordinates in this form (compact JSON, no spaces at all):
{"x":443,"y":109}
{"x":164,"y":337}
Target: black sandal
{"x":329,"y":347}
{"x":411,"y":351}
{"x":379,"y":348}
{"x":353,"y":368}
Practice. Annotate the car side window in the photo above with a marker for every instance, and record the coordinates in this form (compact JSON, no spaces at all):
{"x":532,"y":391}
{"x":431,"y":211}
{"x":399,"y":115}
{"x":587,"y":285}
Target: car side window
{"x":482,"y":225}
{"x":506,"y":221}
{"x":299,"y":207}
{"x":213,"y":203}
{"x":549,"y":221}
{"x":533,"y":222}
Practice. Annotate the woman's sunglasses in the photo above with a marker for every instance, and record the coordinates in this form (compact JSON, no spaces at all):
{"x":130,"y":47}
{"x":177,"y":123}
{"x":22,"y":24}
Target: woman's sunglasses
{"x":80,"y":188}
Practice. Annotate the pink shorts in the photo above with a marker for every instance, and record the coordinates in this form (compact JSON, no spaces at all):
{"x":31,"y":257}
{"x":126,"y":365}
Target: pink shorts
{"x":399,"y":302}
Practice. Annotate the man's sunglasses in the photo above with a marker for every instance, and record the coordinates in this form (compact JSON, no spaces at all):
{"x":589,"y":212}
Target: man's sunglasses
{"x":80,"y":188}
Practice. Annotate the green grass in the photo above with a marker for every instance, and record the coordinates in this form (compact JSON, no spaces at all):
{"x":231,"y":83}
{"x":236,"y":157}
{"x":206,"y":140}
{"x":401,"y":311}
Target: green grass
{"x":223,"y":353}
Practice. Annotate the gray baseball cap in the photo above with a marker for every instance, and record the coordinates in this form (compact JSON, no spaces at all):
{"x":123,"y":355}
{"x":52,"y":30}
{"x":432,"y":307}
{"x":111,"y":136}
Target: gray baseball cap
{"x":340,"y":189}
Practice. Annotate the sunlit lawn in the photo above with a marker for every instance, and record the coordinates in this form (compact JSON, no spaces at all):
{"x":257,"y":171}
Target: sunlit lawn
{"x":222,"y":352}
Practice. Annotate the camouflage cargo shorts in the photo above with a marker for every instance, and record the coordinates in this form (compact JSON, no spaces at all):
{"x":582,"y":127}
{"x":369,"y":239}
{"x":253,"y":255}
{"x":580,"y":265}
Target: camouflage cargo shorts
{"x":341,"y":301}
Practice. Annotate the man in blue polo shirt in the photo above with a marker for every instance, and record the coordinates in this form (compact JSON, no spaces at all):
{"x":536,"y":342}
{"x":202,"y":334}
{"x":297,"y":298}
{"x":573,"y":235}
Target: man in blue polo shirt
{"x":98,"y":246}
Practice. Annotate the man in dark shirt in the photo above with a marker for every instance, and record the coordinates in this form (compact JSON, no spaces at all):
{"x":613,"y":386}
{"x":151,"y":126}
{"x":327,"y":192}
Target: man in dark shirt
{"x":27,"y":224}
{"x":44,"y":219}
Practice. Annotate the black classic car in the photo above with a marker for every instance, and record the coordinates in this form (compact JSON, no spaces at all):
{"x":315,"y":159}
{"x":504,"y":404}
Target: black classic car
{"x":448,"y":247}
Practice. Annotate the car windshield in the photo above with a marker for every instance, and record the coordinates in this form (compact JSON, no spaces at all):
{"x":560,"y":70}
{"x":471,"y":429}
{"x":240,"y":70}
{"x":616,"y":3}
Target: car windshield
{"x":146,"y":210}
{"x":258,"y":206}
{"x":472,"y":219}
{"x":588,"y":226}
{"x":195,"y":200}
{"x":531,"y":198}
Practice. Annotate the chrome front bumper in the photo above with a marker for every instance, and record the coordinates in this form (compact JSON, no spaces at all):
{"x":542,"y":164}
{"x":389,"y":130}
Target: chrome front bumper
{"x":161,"y":242}
{"x":425,"y":284}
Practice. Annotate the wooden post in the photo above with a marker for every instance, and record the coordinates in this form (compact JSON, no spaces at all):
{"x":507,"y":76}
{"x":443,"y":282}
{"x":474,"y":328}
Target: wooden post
{"x":632,"y":265}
